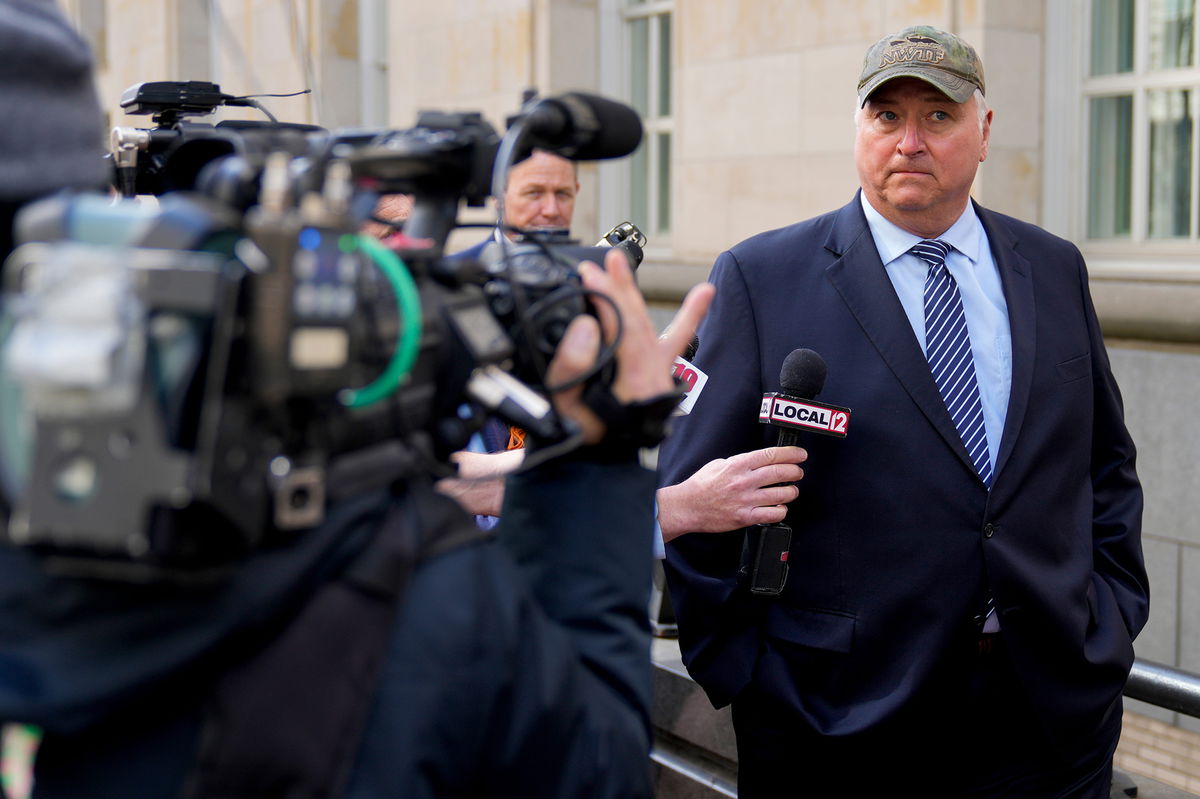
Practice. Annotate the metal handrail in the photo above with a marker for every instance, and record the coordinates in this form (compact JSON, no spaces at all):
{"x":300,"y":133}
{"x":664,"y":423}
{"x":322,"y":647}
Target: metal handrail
{"x":1165,"y":687}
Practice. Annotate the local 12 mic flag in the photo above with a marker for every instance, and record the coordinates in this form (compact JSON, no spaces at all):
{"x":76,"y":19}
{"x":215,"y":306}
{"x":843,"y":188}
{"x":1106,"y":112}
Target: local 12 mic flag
{"x":783,"y":410}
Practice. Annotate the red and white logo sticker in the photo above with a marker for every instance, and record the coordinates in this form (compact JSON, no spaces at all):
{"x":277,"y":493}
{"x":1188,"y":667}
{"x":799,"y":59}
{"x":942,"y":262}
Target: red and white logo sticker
{"x":693,"y":380}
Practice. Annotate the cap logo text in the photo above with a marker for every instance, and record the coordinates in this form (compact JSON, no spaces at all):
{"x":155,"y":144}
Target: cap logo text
{"x":914,"y":48}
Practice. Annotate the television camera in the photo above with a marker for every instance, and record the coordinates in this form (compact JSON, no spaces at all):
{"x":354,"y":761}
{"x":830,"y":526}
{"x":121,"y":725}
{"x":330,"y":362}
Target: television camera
{"x":184,"y":383}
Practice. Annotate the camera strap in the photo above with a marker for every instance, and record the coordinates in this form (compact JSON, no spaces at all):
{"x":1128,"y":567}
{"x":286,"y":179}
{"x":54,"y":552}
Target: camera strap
{"x":287,"y":721}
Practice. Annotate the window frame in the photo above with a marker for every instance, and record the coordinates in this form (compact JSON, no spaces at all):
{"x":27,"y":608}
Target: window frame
{"x":1069,"y":88}
{"x":616,"y":184}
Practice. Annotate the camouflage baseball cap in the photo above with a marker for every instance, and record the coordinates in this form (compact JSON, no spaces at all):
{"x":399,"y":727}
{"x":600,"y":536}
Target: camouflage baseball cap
{"x":934,"y":56}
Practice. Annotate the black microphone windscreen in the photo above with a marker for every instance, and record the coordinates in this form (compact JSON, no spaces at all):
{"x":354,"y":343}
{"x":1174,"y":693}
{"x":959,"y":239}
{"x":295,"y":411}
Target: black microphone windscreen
{"x":585,"y":127}
{"x":803,"y":374}
{"x":690,"y":351}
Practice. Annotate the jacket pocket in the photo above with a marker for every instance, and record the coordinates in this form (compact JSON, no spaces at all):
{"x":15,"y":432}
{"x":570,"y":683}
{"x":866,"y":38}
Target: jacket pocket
{"x":1075,"y":368}
{"x":812,"y":627}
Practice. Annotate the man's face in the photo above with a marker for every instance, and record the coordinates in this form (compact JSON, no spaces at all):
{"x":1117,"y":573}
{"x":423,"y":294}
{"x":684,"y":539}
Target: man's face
{"x":541,"y":192}
{"x":917,"y":152}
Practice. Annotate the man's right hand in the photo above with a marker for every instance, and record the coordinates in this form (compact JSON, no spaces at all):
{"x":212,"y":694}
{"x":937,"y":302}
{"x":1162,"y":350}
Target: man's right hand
{"x":731,"y":493}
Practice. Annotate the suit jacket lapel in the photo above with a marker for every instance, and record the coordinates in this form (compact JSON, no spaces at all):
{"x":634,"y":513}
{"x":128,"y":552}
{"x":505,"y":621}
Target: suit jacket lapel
{"x":859,"y":277}
{"x":1017,"y":280}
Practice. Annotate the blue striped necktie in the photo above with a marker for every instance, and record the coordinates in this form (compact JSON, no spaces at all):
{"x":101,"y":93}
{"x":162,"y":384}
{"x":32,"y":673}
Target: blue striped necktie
{"x":948,"y":348}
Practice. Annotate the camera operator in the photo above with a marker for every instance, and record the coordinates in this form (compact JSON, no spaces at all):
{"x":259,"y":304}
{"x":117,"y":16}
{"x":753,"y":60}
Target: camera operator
{"x":52,"y":132}
{"x":392,"y":650}
{"x":539,"y":195}
{"x":390,"y":212}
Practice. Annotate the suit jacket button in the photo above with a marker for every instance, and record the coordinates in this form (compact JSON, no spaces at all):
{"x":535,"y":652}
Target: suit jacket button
{"x":988,"y":530}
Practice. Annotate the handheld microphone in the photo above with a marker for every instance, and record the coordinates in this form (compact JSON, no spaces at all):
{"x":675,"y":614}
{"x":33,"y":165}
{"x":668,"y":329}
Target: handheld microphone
{"x":765,"y":549}
{"x":583,"y":127}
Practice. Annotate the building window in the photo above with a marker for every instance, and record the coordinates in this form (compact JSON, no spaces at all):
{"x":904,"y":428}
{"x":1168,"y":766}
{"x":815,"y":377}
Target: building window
{"x":1141,"y":89}
{"x":648,"y":34}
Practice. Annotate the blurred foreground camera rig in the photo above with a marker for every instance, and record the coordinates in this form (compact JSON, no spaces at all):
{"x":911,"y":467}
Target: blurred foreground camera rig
{"x":184,"y":381}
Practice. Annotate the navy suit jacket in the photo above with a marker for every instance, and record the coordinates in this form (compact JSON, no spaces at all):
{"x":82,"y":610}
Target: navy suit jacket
{"x":897,"y":541}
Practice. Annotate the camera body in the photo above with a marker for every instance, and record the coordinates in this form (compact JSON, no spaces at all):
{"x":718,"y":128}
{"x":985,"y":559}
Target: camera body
{"x":239,"y":356}
{"x":171,"y":155}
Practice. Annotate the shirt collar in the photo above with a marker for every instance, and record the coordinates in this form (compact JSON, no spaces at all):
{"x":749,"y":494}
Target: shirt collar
{"x":893,"y":241}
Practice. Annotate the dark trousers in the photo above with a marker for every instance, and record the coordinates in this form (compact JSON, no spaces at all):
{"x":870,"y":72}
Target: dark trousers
{"x":975,"y":737}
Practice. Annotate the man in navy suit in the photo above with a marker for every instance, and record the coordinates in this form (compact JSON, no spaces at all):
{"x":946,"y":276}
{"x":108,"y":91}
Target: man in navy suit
{"x":966,"y":574}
